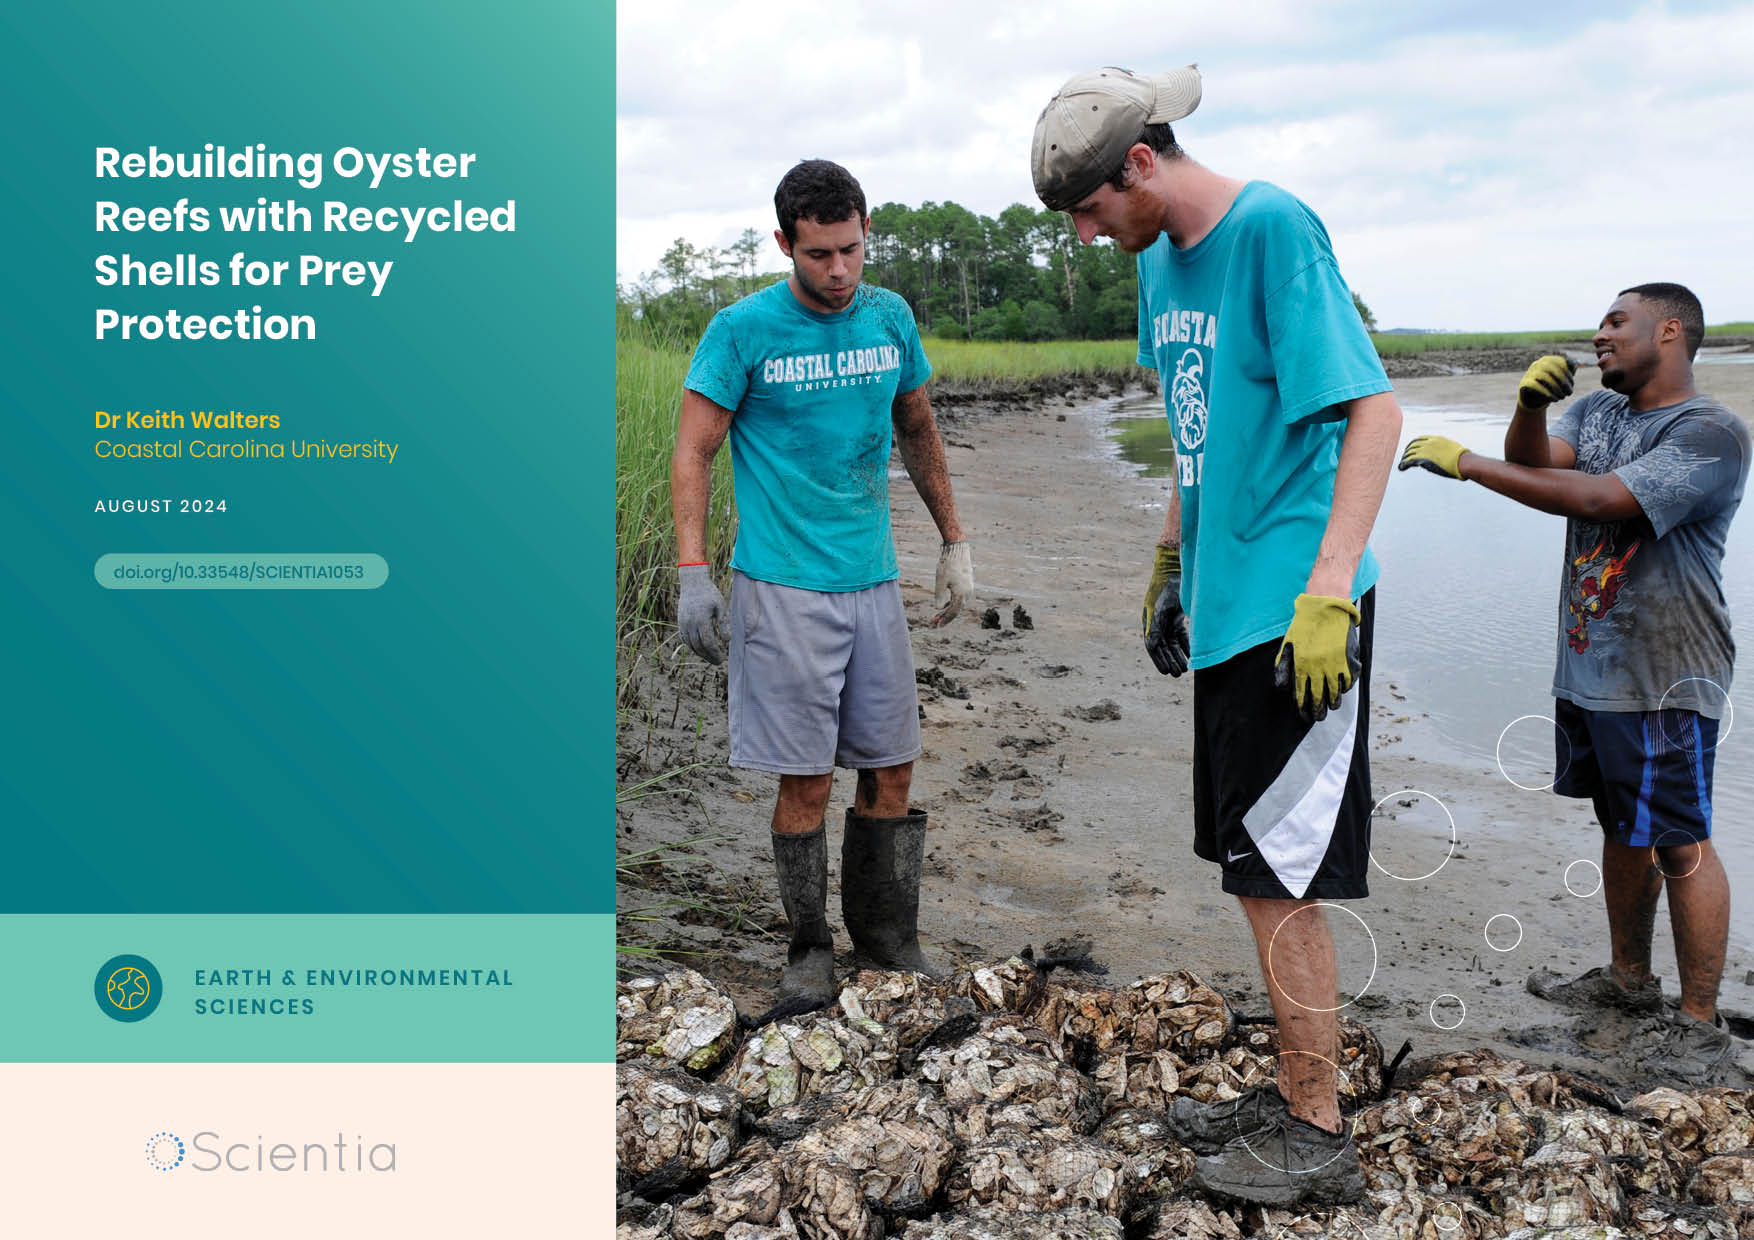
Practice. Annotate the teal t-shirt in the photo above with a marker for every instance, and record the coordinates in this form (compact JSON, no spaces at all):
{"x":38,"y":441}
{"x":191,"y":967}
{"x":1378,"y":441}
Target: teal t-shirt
{"x":810,"y":436}
{"x":1254,"y":338}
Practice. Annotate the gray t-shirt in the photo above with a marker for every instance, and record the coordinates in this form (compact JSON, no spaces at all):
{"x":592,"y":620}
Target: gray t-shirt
{"x":1642,"y":621}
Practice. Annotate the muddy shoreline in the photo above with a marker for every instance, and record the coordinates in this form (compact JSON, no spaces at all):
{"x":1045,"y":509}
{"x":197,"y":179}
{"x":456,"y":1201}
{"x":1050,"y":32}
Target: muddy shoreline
{"x":1056,"y":776}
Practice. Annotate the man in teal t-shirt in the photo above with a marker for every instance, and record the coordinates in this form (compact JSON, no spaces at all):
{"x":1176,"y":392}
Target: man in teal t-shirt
{"x":1285,"y":429}
{"x":808,"y":378}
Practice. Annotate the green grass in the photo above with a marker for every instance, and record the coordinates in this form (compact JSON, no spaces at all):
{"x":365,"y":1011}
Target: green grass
{"x":1406,"y":344}
{"x":648,"y":392}
{"x":1016,"y":360}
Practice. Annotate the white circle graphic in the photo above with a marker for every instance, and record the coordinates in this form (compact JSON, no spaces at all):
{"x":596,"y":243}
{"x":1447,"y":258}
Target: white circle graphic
{"x":1573,"y":890}
{"x":1729,"y":719}
{"x":1513,"y":921}
{"x":1498,"y":755}
{"x":1362,"y":990}
{"x":1414,"y":792}
{"x":1432,"y":1012}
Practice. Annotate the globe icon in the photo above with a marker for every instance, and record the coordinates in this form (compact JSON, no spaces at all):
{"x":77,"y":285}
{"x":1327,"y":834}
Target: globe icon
{"x":128,"y":988}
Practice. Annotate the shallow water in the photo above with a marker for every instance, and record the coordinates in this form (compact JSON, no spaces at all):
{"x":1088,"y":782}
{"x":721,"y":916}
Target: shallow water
{"x":1467,"y":605}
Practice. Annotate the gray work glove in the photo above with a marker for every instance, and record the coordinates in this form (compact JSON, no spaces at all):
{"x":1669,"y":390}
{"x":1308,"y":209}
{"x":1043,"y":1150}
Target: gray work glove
{"x":954,"y":588}
{"x":700,"y":612}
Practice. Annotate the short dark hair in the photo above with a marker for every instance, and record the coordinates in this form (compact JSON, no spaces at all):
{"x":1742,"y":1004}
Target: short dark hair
{"x":817,"y":189}
{"x":1675,"y":301}
{"x":1160,"y":138}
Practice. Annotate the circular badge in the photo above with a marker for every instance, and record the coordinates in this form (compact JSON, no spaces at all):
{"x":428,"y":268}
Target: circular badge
{"x":128,"y":988}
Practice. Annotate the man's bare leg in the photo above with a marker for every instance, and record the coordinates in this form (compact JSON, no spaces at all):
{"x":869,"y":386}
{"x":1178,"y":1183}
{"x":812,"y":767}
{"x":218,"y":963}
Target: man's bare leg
{"x":1631,"y":884}
{"x":882,"y":793}
{"x":1301,"y":981}
{"x":802,"y":802}
{"x":1699,"y":915}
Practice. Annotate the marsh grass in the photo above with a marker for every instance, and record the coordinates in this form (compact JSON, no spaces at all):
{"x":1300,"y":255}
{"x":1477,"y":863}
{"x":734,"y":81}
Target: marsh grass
{"x":1405,"y":344}
{"x":692,"y":889}
{"x":1021,"y":361}
{"x":649,"y":370}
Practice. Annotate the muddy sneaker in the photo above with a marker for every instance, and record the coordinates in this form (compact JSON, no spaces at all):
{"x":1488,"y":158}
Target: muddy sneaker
{"x":1288,"y":1162}
{"x":1206,"y":1127}
{"x":1689,"y":1050}
{"x":1596,"y":988}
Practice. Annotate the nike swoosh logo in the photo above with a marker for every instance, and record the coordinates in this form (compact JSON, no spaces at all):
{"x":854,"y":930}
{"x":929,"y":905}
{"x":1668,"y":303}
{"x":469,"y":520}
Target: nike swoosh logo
{"x":1247,"y":852}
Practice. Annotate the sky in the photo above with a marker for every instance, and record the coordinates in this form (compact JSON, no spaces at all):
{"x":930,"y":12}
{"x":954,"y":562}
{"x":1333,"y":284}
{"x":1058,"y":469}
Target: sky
{"x":1481,"y":166}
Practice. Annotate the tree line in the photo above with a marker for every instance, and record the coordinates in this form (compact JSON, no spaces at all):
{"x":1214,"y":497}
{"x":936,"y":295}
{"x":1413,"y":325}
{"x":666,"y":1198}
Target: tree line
{"x":1019,"y":276}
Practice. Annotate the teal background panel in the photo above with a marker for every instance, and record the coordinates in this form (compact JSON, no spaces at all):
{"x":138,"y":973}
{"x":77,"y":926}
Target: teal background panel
{"x":444,"y":743}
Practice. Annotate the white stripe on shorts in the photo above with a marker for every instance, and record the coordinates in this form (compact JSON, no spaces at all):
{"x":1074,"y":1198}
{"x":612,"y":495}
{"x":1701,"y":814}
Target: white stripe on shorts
{"x":1293,"y":821}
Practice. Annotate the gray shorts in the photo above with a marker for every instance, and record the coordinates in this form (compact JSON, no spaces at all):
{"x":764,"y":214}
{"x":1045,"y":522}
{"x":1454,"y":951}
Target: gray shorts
{"x":820,"y":680}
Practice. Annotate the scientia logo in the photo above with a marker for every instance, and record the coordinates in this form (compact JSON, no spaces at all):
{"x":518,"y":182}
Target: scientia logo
{"x":209,"y":1151}
{"x":128,"y":988}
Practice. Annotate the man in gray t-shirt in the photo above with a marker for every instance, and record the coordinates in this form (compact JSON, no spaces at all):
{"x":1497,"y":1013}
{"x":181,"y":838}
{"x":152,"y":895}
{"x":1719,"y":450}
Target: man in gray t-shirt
{"x":1648,"y":473}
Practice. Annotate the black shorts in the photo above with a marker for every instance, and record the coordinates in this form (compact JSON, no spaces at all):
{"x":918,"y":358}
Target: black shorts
{"x":1282,"y":805}
{"x":1648,"y":772}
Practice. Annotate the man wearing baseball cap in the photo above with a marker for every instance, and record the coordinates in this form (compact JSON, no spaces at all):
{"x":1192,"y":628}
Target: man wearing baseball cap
{"x":1285,"y":431}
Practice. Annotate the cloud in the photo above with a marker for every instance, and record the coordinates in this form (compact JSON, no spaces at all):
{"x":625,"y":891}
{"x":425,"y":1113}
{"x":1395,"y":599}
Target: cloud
{"x":1494,"y":166}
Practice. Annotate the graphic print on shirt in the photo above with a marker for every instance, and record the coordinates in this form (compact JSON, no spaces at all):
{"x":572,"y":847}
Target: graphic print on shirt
{"x":1189,"y":399}
{"x":1594,"y":587}
{"x":1187,"y":388}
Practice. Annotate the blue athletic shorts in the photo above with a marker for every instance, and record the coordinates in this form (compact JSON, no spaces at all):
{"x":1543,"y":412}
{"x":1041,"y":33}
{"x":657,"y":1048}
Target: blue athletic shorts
{"x":1649,"y":772}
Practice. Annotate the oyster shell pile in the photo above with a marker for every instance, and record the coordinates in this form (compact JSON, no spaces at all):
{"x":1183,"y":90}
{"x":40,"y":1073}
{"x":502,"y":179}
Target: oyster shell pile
{"x":1009,"y":987}
{"x":817,"y":1054}
{"x":988,"y":1223}
{"x":1009,"y":1074}
{"x":1171,"y":1011}
{"x":663,"y":1115}
{"x":997,"y":1106}
{"x":1048,"y":1169}
{"x":908,"y":1005}
{"x":680,"y":1019}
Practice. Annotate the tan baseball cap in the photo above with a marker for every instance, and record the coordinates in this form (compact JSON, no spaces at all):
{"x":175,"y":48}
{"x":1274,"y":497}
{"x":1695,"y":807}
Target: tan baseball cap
{"x":1088,"y":127}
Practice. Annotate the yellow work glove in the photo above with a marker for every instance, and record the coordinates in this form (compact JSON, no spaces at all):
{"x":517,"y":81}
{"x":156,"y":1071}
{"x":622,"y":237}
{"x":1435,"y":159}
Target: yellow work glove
{"x":1162,"y":620}
{"x":1434,"y":452}
{"x":1318,"y":660}
{"x":1546,"y":380}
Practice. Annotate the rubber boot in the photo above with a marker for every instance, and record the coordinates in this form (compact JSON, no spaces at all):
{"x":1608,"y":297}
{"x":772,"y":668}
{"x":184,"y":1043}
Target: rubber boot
{"x":802,"y":864}
{"x":880,"y":889}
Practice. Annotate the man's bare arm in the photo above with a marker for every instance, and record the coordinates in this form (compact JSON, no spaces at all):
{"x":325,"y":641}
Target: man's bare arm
{"x":1172,"y":517}
{"x":700,"y":429}
{"x":922,"y":453}
{"x":1373,"y":431}
{"x":1561,"y":491}
{"x":1526,"y":442}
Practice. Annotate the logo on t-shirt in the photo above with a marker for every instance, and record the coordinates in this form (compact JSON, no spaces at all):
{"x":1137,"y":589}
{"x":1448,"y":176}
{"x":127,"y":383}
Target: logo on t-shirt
{"x":805,"y":372}
{"x":1188,"y":398}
